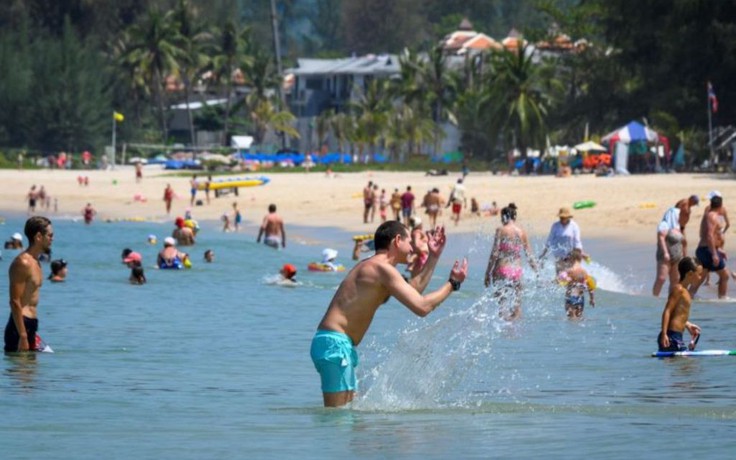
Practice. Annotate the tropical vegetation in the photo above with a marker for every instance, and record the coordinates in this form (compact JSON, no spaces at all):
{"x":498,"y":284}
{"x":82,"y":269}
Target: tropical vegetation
{"x":66,"y":66}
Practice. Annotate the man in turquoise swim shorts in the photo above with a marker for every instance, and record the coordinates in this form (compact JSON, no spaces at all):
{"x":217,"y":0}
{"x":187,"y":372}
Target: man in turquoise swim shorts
{"x":365,"y":288}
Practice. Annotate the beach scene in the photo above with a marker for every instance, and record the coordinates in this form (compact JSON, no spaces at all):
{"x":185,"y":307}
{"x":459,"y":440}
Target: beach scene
{"x":215,"y":359}
{"x":367,"y":230}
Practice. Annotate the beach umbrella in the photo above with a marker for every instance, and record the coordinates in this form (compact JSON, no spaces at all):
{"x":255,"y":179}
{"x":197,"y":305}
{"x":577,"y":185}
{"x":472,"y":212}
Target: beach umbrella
{"x":590,"y":146}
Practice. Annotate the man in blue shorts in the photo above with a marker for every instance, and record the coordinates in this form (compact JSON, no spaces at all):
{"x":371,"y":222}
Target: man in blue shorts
{"x":369,"y":285}
{"x":707,"y":251}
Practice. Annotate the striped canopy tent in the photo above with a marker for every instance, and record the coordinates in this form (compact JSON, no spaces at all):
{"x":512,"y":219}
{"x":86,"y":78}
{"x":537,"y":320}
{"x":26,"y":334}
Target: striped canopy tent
{"x":619,"y":143}
{"x":633,"y":132}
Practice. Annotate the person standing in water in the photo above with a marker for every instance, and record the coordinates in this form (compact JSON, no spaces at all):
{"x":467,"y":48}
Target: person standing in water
{"x":26,"y":278}
{"x":365,"y":288}
{"x":504,"y":265}
{"x":273,"y":229}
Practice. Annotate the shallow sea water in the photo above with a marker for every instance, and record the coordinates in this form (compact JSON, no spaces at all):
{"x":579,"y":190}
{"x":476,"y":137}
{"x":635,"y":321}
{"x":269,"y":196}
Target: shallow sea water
{"x":214,"y":361}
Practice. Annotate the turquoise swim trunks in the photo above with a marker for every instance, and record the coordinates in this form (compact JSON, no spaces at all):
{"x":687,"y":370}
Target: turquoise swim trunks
{"x":335,"y":358}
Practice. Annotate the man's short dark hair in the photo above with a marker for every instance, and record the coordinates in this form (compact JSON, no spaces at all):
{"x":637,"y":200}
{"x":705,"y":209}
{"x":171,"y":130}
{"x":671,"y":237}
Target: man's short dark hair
{"x":716,"y":202}
{"x":687,"y":265}
{"x":386,"y":232}
{"x":271,"y":207}
{"x":34,"y":225}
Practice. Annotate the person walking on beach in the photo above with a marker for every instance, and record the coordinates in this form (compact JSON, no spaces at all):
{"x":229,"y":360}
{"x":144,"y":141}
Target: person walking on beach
{"x":25,"y":286}
{"x":707,"y":252}
{"x":207,"y":185}
{"x":434,"y":203}
{"x":407,"y":205}
{"x":383,"y":205}
{"x":396,"y":204}
{"x":564,"y":236}
{"x":374,"y":202}
{"x":457,"y":200}
{"x":504,"y":264}
{"x":138,"y":172}
{"x":365,"y":288}
{"x":367,"y":200}
{"x":32,"y":197}
{"x":273,"y":229}
{"x":89,"y":213}
{"x":670,"y":249}
{"x":676,"y":311}
{"x":193,"y":184}
{"x":168,"y":197}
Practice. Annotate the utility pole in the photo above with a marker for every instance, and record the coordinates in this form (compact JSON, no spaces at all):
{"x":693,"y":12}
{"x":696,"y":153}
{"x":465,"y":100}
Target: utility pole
{"x":279,"y":69}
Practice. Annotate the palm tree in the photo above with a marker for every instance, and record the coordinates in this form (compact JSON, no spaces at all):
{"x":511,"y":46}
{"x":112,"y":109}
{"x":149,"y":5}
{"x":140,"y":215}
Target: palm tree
{"x":232,"y":44}
{"x":193,"y":40}
{"x":517,"y":100}
{"x":439,"y":86}
{"x":153,"y":49}
{"x":265,"y":115}
{"x":371,"y":110}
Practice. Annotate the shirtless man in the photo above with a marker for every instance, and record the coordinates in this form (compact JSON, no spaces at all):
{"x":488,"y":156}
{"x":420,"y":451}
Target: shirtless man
{"x":273,"y":228}
{"x":367,"y":200}
{"x":434,"y":203}
{"x":32,"y":197}
{"x":25,"y":283}
{"x":183,"y":235}
{"x":707,"y":252}
{"x":369,"y":285}
{"x":685,"y":205}
{"x":677,"y":310}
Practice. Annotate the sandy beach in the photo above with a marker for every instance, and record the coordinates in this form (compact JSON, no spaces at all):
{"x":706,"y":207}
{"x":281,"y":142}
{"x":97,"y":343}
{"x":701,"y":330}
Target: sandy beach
{"x":626,"y":207}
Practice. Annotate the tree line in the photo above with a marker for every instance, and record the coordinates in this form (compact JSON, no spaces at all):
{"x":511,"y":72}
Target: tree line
{"x":66,"y":65}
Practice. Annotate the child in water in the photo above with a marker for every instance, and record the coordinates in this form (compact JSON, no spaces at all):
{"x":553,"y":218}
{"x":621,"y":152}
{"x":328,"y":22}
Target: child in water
{"x":137,"y":276}
{"x":577,"y":281}
{"x":677,"y":310}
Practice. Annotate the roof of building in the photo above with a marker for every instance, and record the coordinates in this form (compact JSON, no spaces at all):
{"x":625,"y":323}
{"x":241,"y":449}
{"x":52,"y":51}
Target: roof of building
{"x":370,"y":64}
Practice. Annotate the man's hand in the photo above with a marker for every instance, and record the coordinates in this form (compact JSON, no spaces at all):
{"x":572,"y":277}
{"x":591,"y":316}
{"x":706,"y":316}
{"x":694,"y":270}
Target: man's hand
{"x":664,"y":341}
{"x":437,"y":241}
{"x":459,"y":271}
{"x":23,"y":344}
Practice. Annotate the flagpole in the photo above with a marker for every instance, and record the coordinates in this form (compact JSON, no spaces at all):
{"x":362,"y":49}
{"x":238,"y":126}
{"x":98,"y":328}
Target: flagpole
{"x":114,"y":124}
{"x":710,"y":126}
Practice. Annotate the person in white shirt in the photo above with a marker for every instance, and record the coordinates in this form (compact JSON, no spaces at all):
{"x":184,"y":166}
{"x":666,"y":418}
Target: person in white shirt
{"x":564,"y":236}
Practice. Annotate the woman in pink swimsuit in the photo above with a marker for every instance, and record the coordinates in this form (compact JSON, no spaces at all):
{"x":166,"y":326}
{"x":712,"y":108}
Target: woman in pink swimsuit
{"x":504,"y":265}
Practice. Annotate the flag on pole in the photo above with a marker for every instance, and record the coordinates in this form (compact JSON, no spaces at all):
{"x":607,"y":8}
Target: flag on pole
{"x":118,"y":117}
{"x":712,"y":99}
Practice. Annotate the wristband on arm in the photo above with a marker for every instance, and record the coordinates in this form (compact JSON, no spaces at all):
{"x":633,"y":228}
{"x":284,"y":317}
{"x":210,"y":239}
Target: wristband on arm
{"x":455,"y":284}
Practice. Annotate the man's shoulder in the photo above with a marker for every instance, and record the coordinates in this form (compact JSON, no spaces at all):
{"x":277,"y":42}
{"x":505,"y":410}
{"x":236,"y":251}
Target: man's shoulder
{"x":23,"y":262}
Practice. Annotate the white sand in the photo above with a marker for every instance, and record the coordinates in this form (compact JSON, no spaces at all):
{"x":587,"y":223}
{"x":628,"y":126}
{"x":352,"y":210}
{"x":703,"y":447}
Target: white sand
{"x":626,"y":207}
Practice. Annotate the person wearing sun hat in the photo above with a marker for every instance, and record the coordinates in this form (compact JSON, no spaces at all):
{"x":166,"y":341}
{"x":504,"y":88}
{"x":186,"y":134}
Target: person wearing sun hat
{"x":564,"y":236}
{"x":15,"y":242}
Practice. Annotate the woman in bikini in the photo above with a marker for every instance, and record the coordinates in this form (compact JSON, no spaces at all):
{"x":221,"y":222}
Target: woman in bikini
{"x":504,"y":265}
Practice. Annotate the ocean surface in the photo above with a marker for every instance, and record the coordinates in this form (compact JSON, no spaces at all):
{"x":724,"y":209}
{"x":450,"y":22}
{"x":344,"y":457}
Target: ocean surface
{"x":213,"y":362}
